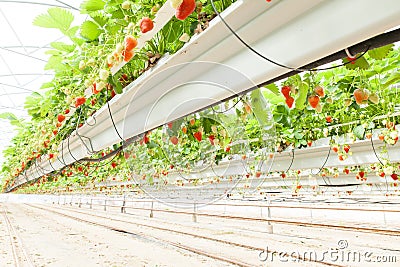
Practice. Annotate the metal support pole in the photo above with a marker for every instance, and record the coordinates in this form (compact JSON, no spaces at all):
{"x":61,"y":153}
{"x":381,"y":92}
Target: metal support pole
{"x":80,"y":202}
{"x":194,"y":216}
{"x":105,"y":204}
{"x":270,"y":229}
{"x":151,"y":211}
{"x":123,"y":205}
{"x":91,"y":203}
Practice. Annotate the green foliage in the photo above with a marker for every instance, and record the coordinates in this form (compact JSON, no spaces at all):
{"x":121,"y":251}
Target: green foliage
{"x":56,"y":18}
{"x":90,"y":30}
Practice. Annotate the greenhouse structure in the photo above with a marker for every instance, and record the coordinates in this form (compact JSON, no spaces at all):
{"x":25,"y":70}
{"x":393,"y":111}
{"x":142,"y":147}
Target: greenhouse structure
{"x":200,"y":132}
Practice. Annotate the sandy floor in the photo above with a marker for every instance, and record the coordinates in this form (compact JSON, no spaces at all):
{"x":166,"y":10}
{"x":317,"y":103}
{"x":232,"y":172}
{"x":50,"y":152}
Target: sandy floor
{"x":53,"y":240}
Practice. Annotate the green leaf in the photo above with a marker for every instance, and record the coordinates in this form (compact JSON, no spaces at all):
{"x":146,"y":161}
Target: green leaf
{"x":90,"y":30}
{"x":361,"y":63}
{"x":55,"y":63}
{"x":359,"y":131}
{"x":63,"y":47}
{"x":89,"y":6}
{"x":273,"y":88}
{"x":47,"y":85}
{"x":12,"y":118}
{"x":278,"y":117}
{"x":392,"y":79}
{"x":99,"y":19}
{"x":57,"y":18}
{"x":301,"y":96}
{"x":381,"y":52}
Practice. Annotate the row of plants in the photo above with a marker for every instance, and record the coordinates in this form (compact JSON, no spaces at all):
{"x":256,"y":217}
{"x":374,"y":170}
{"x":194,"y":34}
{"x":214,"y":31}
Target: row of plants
{"x":292,"y":114}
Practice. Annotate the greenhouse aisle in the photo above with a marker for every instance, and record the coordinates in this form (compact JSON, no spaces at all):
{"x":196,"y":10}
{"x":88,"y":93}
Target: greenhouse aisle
{"x":69,"y":235}
{"x":51,"y":240}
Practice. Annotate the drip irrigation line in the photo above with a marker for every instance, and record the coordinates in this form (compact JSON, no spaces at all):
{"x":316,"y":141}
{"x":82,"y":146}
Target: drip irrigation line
{"x":112,"y":120}
{"x":51,"y":165}
{"x":291,"y":162}
{"x":275,"y":62}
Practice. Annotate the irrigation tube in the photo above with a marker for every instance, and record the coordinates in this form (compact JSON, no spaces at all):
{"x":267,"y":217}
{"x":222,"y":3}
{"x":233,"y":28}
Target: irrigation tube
{"x":295,"y":33}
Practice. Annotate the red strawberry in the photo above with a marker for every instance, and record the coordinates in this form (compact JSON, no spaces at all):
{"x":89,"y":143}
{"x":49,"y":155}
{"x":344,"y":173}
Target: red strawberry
{"x":128,"y":55}
{"x":346,"y":148}
{"x":127,"y":155}
{"x":283,"y":175}
{"x":341,"y":158}
{"x":51,"y":155}
{"x":94,"y":89}
{"x":328,"y":119}
{"x":130,"y":43}
{"x":361,"y":174}
{"x":319,"y":91}
{"x":258,"y":174}
{"x":381,"y":137}
{"x":211,"y":138}
{"x":184,"y":129}
{"x":113,"y":93}
{"x":55,"y":131}
{"x":67,"y":111}
{"x":346,"y":171}
{"x":309,"y":143}
{"x":93,"y":101}
{"x":289,"y":101}
{"x":335,"y":148}
{"x":368,"y":135}
{"x":174,"y":140}
{"x":146,"y":24}
{"x":394,"y":176}
{"x":185,"y":9}
{"x":382,"y":174}
{"x":198,"y":136}
{"x":313,"y":100}
{"x":170,"y":124}
{"x":360,"y":96}
{"x":227,"y":149}
{"x":192,"y":121}
{"x":80,"y":169}
{"x":79,"y":101}
{"x":286,"y":91}
{"x":113,"y":164}
{"x":146,"y":139}
{"x":60,"y":117}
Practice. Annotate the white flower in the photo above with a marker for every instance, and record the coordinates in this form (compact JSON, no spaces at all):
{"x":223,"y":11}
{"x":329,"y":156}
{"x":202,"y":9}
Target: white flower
{"x":82,"y":65}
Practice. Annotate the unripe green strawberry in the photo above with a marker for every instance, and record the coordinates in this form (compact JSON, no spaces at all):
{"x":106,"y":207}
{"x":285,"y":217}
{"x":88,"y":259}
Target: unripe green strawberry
{"x":176,"y":3}
{"x":126,"y":5}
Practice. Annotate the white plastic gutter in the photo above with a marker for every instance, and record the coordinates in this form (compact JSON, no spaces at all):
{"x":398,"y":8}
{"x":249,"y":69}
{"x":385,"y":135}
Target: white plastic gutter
{"x":214,"y":65}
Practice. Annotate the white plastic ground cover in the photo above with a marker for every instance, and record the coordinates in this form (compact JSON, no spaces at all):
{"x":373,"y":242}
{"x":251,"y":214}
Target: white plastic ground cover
{"x":206,"y":69}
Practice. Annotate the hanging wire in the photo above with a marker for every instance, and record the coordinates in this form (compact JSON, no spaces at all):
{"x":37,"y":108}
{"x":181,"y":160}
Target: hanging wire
{"x":240,"y":98}
{"x":90,"y":150}
{"x":376,"y":155}
{"x":275,"y":62}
